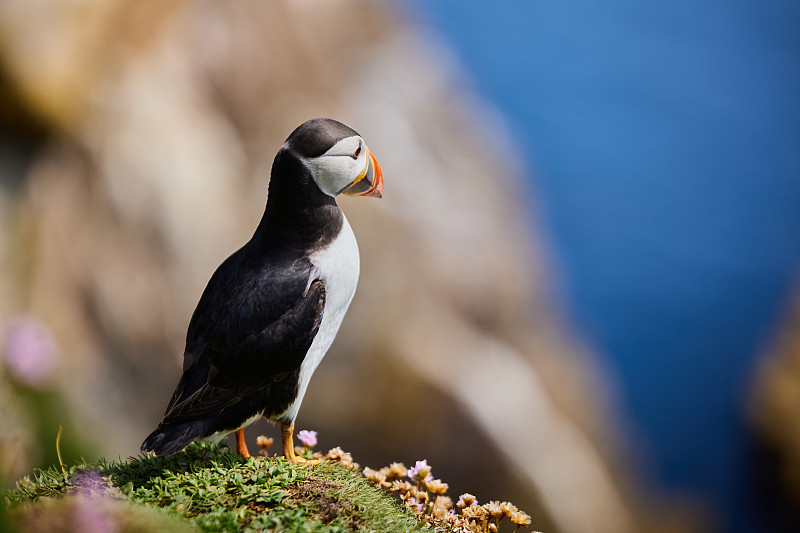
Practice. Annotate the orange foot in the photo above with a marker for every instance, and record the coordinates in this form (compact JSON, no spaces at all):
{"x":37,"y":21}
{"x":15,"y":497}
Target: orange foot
{"x":288,"y":446}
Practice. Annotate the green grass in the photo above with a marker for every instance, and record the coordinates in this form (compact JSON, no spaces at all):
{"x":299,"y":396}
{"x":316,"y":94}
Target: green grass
{"x":207,"y":488}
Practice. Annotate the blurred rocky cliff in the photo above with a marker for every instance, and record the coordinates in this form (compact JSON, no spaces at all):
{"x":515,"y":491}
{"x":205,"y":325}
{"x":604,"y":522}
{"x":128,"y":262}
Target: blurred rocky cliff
{"x":775,"y":411}
{"x":137,"y":138}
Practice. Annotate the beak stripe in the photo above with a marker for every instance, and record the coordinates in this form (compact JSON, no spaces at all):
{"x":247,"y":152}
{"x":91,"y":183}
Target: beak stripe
{"x":372,"y":185}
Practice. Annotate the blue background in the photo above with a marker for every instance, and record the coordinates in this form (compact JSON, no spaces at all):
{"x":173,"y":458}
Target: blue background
{"x":664,"y":140}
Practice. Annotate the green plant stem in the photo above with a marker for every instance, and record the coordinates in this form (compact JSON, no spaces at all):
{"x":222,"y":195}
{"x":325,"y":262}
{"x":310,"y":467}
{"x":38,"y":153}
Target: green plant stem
{"x":58,"y":452}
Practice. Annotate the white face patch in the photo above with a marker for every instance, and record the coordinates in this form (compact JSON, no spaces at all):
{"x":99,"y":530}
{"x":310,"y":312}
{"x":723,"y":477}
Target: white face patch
{"x":334,"y":170}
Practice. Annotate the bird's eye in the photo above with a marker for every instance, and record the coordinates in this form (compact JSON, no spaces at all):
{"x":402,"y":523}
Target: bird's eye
{"x":357,"y":152}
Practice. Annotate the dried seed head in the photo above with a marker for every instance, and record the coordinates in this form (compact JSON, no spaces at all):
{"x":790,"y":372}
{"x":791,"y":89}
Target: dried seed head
{"x":494,"y":509}
{"x":341,"y":456}
{"x":401,"y":486}
{"x":439,"y":513}
{"x":264,"y":441}
{"x":335,"y":453}
{"x":376,"y":477}
{"x":442,"y":506}
{"x":408,"y":495}
{"x":475,"y":512}
{"x":521,"y":518}
{"x":462,"y":525}
{"x":436,"y":486}
{"x":380,"y":480}
{"x":508,"y":508}
{"x":465,"y":500}
{"x":399,"y":469}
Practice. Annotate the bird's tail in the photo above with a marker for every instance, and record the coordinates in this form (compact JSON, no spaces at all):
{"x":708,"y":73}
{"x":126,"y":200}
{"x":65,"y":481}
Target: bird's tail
{"x":172,"y":439}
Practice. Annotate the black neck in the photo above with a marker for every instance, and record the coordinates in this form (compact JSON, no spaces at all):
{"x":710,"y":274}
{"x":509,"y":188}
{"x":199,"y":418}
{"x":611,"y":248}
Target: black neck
{"x":299,"y":217}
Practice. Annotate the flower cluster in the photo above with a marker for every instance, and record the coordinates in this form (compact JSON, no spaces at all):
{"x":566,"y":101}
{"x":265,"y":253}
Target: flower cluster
{"x":308,"y":438}
{"x":420,"y":471}
{"x":428,"y":496}
{"x":29,"y":352}
{"x":90,"y":483}
{"x":342,"y":457}
{"x":264,"y":443}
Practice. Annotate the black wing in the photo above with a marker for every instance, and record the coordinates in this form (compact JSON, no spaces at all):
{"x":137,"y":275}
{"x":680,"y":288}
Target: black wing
{"x":252,"y":324}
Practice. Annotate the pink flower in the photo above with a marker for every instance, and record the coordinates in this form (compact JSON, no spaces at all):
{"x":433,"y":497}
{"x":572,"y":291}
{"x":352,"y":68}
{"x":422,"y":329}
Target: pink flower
{"x":89,"y":482}
{"x":93,"y":516}
{"x":420,"y":471}
{"x":308,"y":438}
{"x":92,"y":512}
{"x":29,"y":352}
{"x":416,"y":504}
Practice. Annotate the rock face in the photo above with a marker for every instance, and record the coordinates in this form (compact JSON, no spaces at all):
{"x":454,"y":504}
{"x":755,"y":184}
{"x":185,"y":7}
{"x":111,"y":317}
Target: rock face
{"x":141,"y":135}
{"x":776,"y":400}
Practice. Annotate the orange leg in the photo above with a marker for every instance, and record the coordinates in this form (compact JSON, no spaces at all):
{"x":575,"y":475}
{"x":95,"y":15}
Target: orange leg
{"x":288,"y":442}
{"x":241,"y":447}
{"x":288,"y":446}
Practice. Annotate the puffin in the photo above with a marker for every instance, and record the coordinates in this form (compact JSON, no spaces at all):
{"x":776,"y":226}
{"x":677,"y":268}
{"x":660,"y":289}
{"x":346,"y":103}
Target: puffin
{"x":272,"y":309}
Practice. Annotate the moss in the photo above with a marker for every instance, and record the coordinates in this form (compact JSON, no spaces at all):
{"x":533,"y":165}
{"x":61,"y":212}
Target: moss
{"x":207,"y":488}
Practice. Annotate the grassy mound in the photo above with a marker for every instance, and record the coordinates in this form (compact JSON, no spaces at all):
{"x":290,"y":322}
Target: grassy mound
{"x":203,"y":488}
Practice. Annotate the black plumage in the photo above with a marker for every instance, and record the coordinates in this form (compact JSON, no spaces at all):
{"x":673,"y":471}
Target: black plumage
{"x":261,"y":309}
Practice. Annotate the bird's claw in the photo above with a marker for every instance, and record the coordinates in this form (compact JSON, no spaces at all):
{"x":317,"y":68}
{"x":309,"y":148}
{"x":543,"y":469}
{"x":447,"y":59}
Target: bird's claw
{"x":302,"y":460}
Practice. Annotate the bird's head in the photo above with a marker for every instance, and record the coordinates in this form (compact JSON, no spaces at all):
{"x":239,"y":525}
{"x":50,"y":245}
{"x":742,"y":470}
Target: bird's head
{"x":337,"y":157}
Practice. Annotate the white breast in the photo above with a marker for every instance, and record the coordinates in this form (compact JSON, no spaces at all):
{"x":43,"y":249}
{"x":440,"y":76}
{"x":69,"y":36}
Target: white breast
{"x":339,"y":266}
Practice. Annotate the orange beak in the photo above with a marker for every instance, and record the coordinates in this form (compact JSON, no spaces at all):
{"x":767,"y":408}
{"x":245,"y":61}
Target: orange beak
{"x":371,"y":183}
